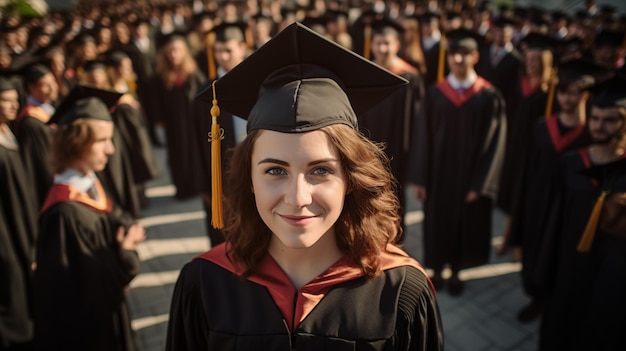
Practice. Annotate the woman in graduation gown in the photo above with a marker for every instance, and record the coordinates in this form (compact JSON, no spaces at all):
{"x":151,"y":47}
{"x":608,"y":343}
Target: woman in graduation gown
{"x":311,"y":217}
{"x":86,"y":248}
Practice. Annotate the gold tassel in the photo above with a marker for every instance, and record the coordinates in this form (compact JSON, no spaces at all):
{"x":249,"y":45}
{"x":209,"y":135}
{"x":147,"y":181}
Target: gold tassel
{"x":215,"y":138}
{"x":210,"y":39}
{"x":551,"y":93}
{"x":590,"y":230}
{"x":367,"y":42}
{"x":442,"y":54}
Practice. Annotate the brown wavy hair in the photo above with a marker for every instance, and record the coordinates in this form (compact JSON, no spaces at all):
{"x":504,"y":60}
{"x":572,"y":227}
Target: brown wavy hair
{"x":70,"y":142}
{"x":368,"y":222}
{"x":168,"y":72}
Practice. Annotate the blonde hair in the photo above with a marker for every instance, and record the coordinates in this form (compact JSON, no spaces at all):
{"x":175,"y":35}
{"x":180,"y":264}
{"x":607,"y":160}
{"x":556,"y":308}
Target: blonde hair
{"x":170,"y":74}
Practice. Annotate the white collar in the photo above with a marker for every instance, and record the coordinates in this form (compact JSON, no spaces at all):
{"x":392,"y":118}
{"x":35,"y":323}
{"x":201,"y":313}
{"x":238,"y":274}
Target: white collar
{"x":7,"y":138}
{"x":78,"y":180}
{"x":44,"y":105}
{"x":464,"y":84}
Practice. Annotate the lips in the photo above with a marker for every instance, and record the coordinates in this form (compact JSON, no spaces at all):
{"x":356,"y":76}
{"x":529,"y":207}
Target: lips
{"x":297,"y":220}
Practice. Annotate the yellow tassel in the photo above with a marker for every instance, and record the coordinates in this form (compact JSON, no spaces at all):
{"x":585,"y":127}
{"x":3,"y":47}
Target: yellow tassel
{"x":551,"y":93}
{"x":210,"y":39}
{"x":368,"y":41}
{"x":215,"y":137}
{"x":442,"y":54}
{"x":590,"y":230}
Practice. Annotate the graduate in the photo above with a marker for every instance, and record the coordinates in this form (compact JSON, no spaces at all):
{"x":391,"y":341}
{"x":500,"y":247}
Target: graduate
{"x":586,"y":308}
{"x":563,"y":131}
{"x":18,"y":226}
{"x":458,"y":148}
{"x":86,"y":248}
{"x":391,"y":121}
{"x":310,"y":216}
{"x":431,"y":44}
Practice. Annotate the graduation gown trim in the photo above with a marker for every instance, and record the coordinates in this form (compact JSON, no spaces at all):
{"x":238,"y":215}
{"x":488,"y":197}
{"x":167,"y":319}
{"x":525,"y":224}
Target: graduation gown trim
{"x":586,"y":158}
{"x":65,"y":192}
{"x":270,"y":275}
{"x":559,"y":141}
{"x":35,"y":112}
{"x":527,"y":90}
{"x":458,"y":99}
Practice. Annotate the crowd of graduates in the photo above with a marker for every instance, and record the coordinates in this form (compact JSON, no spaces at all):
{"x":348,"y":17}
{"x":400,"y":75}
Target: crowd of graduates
{"x":505,"y":107}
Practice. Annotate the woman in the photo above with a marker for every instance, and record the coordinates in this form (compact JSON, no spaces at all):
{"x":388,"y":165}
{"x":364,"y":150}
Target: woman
{"x":310,"y":217}
{"x":86,"y":248}
{"x":176,"y":81}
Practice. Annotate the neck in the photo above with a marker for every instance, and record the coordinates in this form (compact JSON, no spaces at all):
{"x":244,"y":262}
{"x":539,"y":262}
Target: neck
{"x":305,"y":264}
{"x":604,"y":153}
{"x":572,"y":118}
{"x":388,"y":62}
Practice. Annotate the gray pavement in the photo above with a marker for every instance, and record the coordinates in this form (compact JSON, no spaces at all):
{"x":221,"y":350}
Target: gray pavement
{"x":482,"y":319}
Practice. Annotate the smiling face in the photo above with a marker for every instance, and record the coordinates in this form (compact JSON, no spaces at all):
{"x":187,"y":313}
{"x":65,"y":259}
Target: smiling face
{"x":299,"y":187}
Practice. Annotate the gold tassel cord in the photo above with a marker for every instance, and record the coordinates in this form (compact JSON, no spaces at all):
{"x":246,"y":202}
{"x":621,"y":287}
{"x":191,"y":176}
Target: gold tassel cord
{"x":442,"y":54}
{"x":551,"y":89}
{"x":590,"y":230}
{"x":215,"y":137}
{"x":212,"y":70}
{"x":367,"y":41}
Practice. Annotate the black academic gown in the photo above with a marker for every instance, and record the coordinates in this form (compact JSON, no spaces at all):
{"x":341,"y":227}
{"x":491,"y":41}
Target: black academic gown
{"x":34,"y":137}
{"x":531,"y":108}
{"x":391,"y":121}
{"x":431,"y":56}
{"x":215,"y":309}
{"x":18,"y":221}
{"x":458,"y":145}
{"x":587,"y":309}
{"x":549,"y":139}
{"x":81,"y":275}
{"x":174,"y":107}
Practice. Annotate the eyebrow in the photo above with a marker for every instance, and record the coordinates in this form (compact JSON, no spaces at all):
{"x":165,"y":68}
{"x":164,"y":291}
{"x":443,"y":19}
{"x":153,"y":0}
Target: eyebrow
{"x":284,"y":163}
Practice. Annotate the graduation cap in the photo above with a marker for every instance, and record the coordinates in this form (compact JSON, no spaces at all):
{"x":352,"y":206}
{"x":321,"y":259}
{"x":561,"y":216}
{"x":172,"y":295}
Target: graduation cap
{"x":535,"y":40}
{"x":609,"y":215}
{"x":610,"y":38}
{"x":429,"y":16}
{"x":299,"y":81}
{"x":224,"y":32}
{"x":165,"y":39}
{"x":386,"y":25}
{"x":462,"y":38}
{"x":502,"y":22}
{"x":610,"y":93}
{"x":579,"y":70}
{"x":34,"y":70}
{"x":85,"y":101}
{"x":6,"y":84}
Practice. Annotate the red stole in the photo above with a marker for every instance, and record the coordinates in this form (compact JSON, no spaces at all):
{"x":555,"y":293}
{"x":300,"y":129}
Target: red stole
{"x":65,"y":192}
{"x":458,"y":99}
{"x":560,"y":142}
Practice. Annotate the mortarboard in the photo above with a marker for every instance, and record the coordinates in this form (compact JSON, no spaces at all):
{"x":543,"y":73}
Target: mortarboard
{"x":299,"y":81}
{"x":33,"y":71}
{"x":6,"y":84}
{"x":463,"y":38}
{"x":610,"y":93}
{"x":165,"y":39}
{"x":580,"y":70}
{"x":609,"y":215}
{"x":609,"y":38}
{"x":227,"y":31}
{"x":85,"y":101}
{"x":386,"y":25}
{"x":502,"y":22}
{"x":428,"y":17}
{"x":535,"y":40}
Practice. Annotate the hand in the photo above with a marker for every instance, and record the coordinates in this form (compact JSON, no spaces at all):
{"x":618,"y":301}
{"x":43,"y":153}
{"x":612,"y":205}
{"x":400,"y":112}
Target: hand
{"x":471,"y":196}
{"x":420,"y":192}
{"x":129,"y":238}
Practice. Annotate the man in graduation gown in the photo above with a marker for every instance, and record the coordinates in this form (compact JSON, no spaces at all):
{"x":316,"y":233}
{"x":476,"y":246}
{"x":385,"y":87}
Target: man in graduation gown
{"x":561,"y":132}
{"x":31,"y":128}
{"x":431,"y":44}
{"x":391,"y":121}
{"x":458,"y":145}
{"x":86,"y":251}
{"x":18,"y":221}
{"x":587,"y":309}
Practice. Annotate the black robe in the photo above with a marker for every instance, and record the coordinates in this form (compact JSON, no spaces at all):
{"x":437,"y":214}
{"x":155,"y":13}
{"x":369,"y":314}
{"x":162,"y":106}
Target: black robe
{"x":549,"y":139}
{"x":18,"y":222}
{"x":34,"y":137}
{"x":431,"y":57}
{"x":215,"y":309}
{"x":531,"y":108}
{"x":458,"y":145}
{"x":81,"y":274}
{"x":587,"y":309}
{"x":174,"y":107}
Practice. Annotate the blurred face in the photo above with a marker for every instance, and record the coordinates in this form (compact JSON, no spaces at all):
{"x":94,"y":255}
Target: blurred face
{"x":45,"y":89}
{"x":88,"y":51}
{"x":57,"y":64}
{"x":97,"y":78}
{"x":384,"y":47}
{"x":125,"y":69}
{"x":122,"y":33}
{"x":175,"y":52}
{"x":606,"y":124}
{"x":461,"y":62}
{"x":229,"y":54}
{"x":570,"y":98}
{"x":8,"y":105}
{"x":98,"y":155}
{"x":532,"y":60}
{"x":299,"y":187}
{"x":606,"y":56}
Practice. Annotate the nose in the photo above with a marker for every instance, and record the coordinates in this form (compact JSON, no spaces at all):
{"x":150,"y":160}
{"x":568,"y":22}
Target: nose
{"x":458,"y":58}
{"x":298,"y":193}
{"x":110,"y":148}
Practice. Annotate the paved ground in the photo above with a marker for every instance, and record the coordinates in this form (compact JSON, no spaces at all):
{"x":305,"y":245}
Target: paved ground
{"x":482,"y":319}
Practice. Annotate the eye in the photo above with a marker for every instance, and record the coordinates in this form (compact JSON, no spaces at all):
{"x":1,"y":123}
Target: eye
{"x":275,"y":171}
{"x":322,"y":171}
